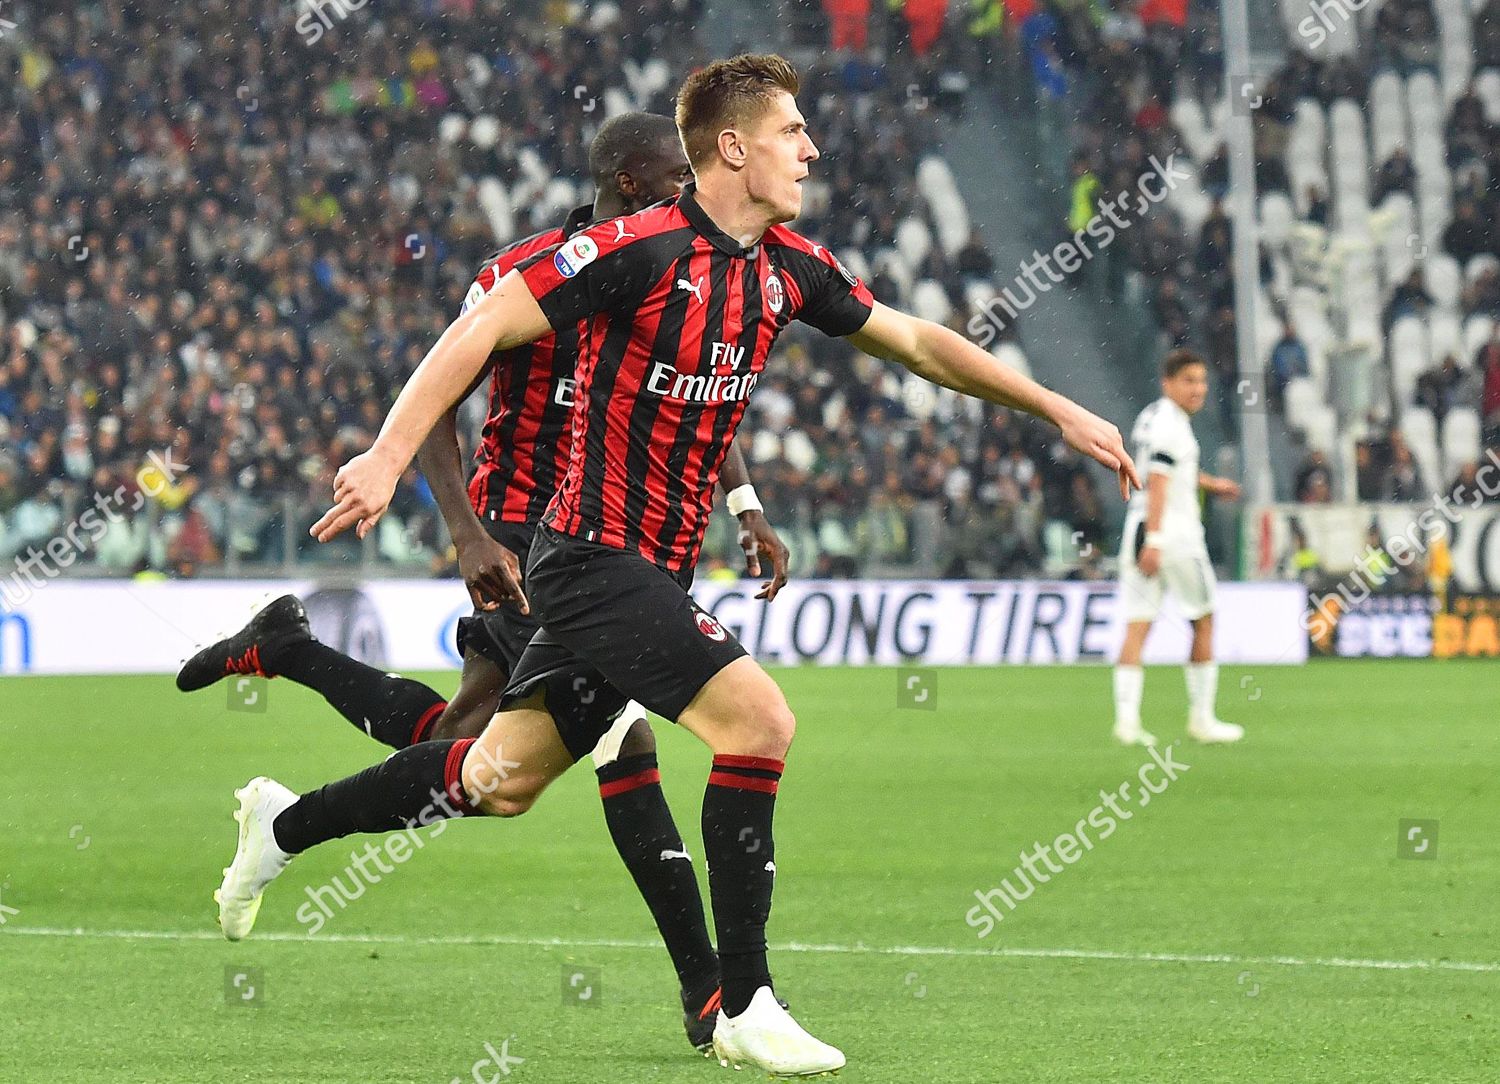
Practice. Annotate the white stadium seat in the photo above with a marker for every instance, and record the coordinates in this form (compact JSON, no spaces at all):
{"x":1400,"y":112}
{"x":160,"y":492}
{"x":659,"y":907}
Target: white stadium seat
{"x":1461,"y":441}
{"x":930,"y":301}
{"x":1409,"y":357}
{"x":913,"y":241}
{"x":1445,"y":336}
{"x":1477,"y":331}
{"x":1420,"y":430}
{"x":1487,"y":86}
{"x":1444,"y":280}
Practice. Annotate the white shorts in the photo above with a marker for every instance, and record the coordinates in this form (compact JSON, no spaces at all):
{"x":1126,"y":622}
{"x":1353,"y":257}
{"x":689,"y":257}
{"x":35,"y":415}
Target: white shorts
{"x":1186,"y":573}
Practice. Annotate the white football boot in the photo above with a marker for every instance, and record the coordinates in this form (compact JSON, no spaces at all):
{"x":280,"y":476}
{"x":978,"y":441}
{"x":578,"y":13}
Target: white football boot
{"x":1126,"y":734}
{"x":257,"y":860}
{"x":1214,"y":731}
{"x":765,"y":1036}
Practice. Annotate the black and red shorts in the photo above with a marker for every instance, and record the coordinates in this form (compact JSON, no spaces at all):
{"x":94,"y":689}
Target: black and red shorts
{"x":615,"y":628}
{"x":501,"y":635}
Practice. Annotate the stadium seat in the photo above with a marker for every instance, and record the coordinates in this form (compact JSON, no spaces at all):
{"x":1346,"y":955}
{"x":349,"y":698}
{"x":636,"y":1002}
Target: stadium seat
{"x":1420,"y":430}
{"x":1191,"y":122}
{"x":930,"y":301}
{"x":949,"y":213}
{"x":913,"y":241}
{"x":484,"y":132}
{"x":1487,"y":86}
{"x":1477,"y":331}
{"x":1302,"y":400}
{"x":1445,"y":334}
{"x":1013,"y":356}
{"x":1410,"y":356}
{"x":494,"y":201}
{"x":1461,"y":441}
{"x":1478,"y":265}
{"x":1277,"y":216}
{"x":1444,"y":280}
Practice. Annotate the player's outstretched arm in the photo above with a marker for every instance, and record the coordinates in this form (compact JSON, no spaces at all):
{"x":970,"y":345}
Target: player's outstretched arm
{"x":756,"y":535}
{"x":507,"y":317}
{"x":490,"y":571}
{"x":1227,"y":488}
{"x":945,"y":357}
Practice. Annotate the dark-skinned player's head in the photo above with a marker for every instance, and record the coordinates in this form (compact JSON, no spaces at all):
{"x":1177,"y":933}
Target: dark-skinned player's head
{"x":636,"y":160}
{"x":1184,"y":379}
{"x":741,"y":126}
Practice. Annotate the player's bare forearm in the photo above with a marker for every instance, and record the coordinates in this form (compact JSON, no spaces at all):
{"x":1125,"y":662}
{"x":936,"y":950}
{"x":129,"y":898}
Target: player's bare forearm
{"x":756,"y":535}
{"x":1156,"y":500}
{"x":735,"y":472}
{"x":1216,"y":486}
{"x":441,"y":462}
{"x":945,"y":357}
{"x":508,"y":316}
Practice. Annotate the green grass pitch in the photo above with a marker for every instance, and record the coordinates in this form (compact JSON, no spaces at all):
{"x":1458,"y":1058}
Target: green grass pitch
{"x":1253,"y":923}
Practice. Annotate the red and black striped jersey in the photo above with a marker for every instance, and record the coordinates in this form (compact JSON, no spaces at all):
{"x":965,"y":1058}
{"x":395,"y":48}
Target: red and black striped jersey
{"x":523,"y":450}
{"x":680,"y":320}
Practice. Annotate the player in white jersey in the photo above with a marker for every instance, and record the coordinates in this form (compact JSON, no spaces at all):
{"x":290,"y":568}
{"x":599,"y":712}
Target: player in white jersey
{"x":1163,"y":550}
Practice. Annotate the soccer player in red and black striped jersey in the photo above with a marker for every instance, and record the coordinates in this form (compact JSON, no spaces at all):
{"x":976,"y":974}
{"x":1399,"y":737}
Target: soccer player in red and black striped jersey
{"x":636,"y":159}
{"x":684,"y":302}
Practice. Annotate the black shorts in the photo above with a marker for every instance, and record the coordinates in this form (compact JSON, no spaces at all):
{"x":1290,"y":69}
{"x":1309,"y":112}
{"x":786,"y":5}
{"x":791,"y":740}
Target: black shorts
{"x":501,"y":635}
{"x":615,"y":627}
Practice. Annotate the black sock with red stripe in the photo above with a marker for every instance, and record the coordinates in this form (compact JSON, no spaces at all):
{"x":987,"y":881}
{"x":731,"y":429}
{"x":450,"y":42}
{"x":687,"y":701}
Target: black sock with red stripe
{"x":393,"y":710}
{"x":738,"y":806}
{"x":420,"y":785}
{"x":647,"y":838}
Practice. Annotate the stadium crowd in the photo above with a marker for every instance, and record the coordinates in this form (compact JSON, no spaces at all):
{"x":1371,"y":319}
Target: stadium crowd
{"x":227,"y":238}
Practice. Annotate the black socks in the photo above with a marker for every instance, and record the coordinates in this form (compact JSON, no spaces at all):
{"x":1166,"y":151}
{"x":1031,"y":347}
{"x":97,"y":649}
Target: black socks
{"x":738,"y":806}
{"x":393,"y":710}
{"x":417,"y":786}
{"x":648,"y":840}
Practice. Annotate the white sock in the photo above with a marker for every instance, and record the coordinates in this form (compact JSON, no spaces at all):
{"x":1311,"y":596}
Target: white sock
{"x":1130,"y":682}
{"x":1202,"y":689}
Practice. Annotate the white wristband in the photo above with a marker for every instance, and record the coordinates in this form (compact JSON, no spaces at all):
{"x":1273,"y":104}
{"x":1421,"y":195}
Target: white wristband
{"x":742,"y":499}
{"x":1153,"y":539}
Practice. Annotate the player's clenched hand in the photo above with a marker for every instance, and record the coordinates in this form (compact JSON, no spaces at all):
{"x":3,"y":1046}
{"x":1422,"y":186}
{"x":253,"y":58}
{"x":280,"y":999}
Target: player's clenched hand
{"x":362,"y":491}
{"x":1100,"y":441}
{"x":1148,"y":561}
{"x":758,"y":537}
{"x":491,"y":572}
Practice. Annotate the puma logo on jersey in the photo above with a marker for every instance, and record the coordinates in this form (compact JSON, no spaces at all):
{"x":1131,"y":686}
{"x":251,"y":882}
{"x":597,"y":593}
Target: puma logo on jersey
{"x":620,"y":232}
{"x":695,"y":287}
{"x":667,"y":855}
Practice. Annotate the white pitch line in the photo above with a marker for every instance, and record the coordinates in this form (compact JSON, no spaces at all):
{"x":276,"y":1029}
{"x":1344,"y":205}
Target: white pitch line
{"x":1337,"y":962}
